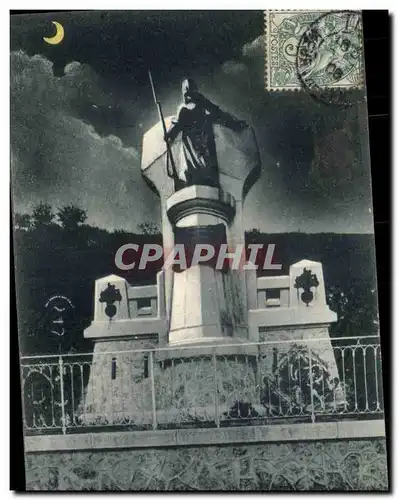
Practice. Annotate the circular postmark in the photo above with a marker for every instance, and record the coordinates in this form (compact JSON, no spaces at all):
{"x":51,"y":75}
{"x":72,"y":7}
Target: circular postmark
{"x":329,"y":57}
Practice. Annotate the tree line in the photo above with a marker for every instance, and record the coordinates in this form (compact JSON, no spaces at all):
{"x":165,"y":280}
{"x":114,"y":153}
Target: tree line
{"x":68,"y":217}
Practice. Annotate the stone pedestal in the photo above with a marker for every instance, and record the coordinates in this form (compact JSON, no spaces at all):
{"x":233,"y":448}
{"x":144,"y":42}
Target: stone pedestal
{"x":296,"y":333}
{"x":208,"y":387}
{"x":205,"y":304}
{"x":119,"y":389}
{"x":128,"y":321}
{"x":289,"y":318}
{"x":199,"y":206}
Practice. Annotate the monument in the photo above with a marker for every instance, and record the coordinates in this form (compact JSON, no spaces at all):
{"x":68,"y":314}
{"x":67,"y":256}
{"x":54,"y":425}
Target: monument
{"x":219,"y":338}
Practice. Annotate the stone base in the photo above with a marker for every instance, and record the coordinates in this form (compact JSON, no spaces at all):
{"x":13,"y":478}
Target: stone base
{"x":285,"y":337}
{"x":207,"y":387}
{"x":297,"y":351}
{"x":187,"y":387}
{"x":278,"y":379}
{"x":206,"y":303}
{"x":339,"y":463}
{"x":117,"y":391}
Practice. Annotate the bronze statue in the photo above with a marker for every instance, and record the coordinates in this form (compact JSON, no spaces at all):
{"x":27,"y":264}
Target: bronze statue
{"x":195,"y":118}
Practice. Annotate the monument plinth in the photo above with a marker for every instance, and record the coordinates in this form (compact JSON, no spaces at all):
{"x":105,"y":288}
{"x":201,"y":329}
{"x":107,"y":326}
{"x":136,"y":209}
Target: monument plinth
{"x":203,"y":299}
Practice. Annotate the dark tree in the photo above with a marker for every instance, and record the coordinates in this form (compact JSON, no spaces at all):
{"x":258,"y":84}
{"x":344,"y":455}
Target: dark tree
{"x":22,"y":221}
{"x":356,"y":308}
{"x":71,"y":216}
{"x":42,"y":215}
{"x":149,"y":228}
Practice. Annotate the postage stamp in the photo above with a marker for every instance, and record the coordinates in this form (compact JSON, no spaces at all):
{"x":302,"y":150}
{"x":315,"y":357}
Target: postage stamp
{"x":313,"y":50}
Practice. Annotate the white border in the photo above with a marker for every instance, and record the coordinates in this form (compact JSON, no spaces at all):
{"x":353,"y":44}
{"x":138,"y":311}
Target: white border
{"x":4,"y":171}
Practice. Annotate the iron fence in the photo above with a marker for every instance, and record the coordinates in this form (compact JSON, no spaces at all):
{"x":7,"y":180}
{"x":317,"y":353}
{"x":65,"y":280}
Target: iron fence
{"x":242,"y":384}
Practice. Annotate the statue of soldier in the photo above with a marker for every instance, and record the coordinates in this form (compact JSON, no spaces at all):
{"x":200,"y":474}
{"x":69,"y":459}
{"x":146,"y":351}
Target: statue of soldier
{"x":195,"y":118}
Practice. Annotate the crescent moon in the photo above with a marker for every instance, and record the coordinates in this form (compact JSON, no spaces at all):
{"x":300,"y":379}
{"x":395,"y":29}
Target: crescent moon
{"x":58,"y":37}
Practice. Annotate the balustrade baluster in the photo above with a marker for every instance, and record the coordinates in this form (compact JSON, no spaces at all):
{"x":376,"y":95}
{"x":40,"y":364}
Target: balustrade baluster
{"x":365,"y":379}
{"x":61,"y":377}
{"x":52,"y":395}
{"x":216,"y":415}
{"x":354,"y":369}
{"x":72,"y":390}
{"x":83,"y":395}
{"x":311,"y":385}
{"x":376,"y":378}
{"x":344,"y":383}
{"x":152,"y":376}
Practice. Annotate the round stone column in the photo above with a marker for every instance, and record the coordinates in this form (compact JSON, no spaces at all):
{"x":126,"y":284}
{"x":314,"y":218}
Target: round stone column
{"x":205,"y":306}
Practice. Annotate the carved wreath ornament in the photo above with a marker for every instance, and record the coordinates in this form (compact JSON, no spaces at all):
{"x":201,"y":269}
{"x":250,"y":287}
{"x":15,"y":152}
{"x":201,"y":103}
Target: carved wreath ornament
{"x":110,"y":295}
{"x":306,"y":281}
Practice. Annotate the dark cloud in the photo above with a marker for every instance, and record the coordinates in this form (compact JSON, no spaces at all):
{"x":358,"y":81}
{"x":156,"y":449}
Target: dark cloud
{"x":59,"y":158}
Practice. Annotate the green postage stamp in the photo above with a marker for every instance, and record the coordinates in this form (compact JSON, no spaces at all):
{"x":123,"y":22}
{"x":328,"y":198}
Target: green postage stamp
{"x":313,"y":50}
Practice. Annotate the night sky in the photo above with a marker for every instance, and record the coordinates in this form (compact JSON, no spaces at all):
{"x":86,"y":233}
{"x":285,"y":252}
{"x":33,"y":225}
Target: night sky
{"x":79,"y":110}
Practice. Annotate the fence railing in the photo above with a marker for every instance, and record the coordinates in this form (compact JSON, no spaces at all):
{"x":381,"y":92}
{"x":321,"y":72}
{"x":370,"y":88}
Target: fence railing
{"x":246,"y":384}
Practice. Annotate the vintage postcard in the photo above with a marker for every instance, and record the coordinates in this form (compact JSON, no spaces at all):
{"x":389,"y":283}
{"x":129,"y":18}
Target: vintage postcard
{"x":194,"y":252}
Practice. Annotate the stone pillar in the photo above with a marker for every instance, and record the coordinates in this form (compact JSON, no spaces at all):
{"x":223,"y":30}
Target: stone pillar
{"x":118,"y":389}
{"x":203,"y":304}
{"x":296,"y":336}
